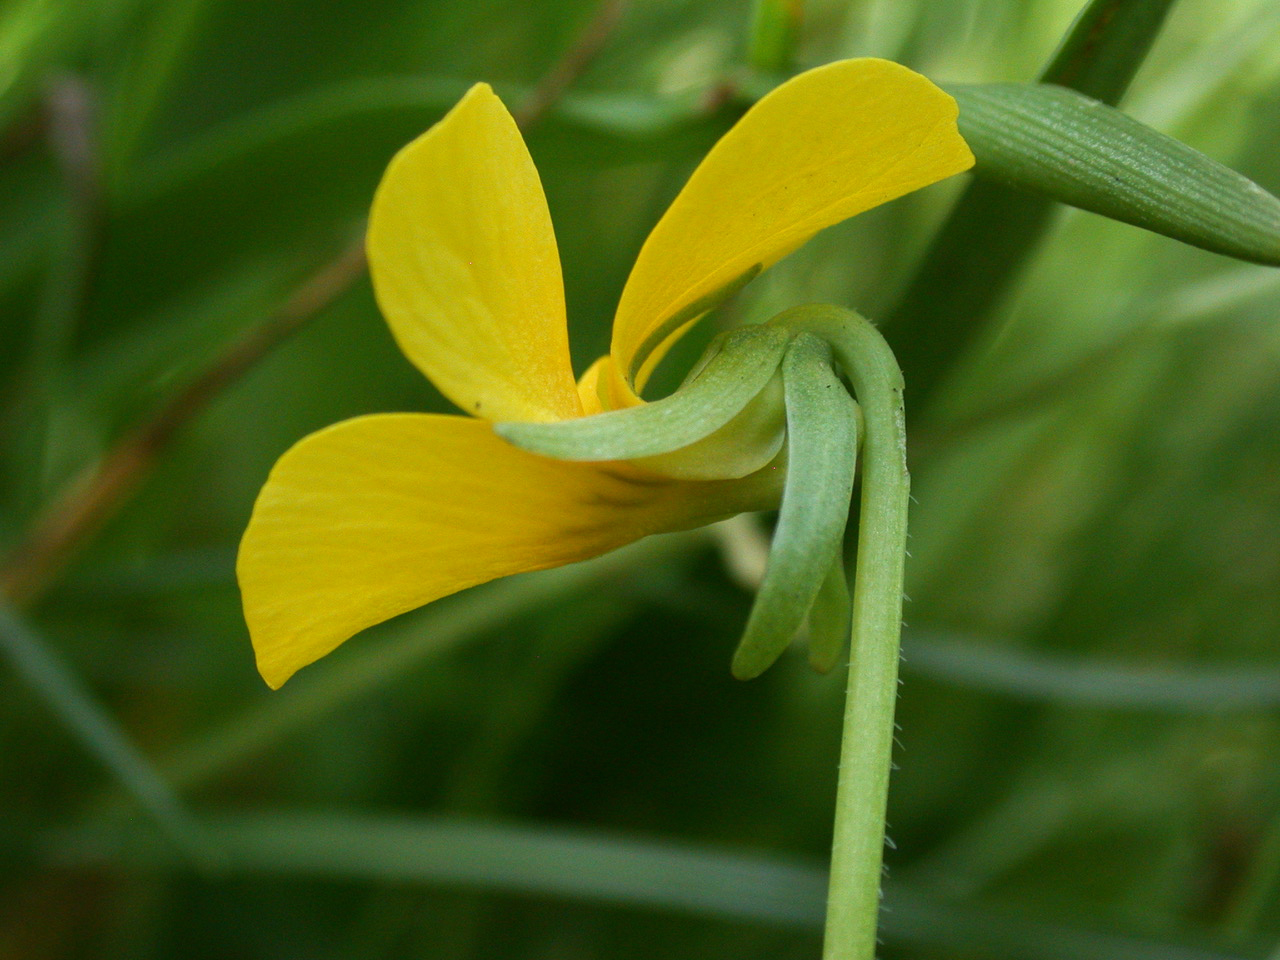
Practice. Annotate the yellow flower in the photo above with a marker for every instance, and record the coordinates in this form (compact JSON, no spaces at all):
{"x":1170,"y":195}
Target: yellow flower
{"x":375,"y":516}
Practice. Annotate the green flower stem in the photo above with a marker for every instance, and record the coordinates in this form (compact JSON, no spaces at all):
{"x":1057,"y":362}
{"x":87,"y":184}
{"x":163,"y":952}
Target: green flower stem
{"x":853,"y":897}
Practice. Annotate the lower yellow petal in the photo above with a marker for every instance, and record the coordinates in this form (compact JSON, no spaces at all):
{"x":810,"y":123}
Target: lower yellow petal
{"x":375,"y":516}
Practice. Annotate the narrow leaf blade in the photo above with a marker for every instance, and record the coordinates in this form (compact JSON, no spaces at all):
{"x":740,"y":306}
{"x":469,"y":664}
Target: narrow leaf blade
{"x":634,"y":871}
{"x":1071,"y":148}
{"x":100,"y":735}
{"x":992,"y":232}
{"x":1106,"y":44}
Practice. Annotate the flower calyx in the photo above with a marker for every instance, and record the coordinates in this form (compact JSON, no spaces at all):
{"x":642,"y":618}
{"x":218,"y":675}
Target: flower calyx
{"x":773,"y":397}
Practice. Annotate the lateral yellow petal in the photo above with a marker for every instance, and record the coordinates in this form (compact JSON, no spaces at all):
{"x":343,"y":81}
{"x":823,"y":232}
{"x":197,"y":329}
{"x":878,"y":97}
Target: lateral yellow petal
{"x":822,"y":147}
{"x":589,"y":388}
{"x":465,"y":267}
{"x":602,"y":388}
{"x":378,"y":515}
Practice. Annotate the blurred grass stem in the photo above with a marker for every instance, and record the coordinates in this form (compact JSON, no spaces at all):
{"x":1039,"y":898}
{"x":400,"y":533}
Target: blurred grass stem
{"x":775,"y":28}
{"x":556,"y":81}
{"x":635,"y":872}
{"x":70,"y":126}
{"x":1202,"y":301}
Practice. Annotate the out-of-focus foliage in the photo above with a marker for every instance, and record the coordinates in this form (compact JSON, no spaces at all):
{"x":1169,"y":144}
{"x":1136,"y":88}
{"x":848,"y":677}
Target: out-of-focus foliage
{"x":1090,"y":743}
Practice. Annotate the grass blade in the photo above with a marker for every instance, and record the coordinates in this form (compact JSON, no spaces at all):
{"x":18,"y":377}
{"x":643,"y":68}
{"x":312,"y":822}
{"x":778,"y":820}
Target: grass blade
{"x":1030,"y":675}
{"x":602,"y":868}
{"x":95,"y":728}
{"x":1105,"y":46}
{"x":1052,"y":141}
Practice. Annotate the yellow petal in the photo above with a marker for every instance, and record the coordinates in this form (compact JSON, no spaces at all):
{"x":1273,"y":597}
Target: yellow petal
{"x":378,"y":515}
{"x":589,"y":389}
{"x":602,"y":388}
{"x":820,"y":148}
{"x":465,"y":267}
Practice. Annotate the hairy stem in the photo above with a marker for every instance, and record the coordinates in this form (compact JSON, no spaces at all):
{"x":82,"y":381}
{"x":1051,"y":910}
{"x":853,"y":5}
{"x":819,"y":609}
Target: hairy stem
{"x":853,"y":897}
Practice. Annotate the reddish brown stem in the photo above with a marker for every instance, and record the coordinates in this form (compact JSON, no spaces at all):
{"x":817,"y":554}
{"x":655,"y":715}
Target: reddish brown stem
{"x":569,"y":67}
{"x":80,"y":510}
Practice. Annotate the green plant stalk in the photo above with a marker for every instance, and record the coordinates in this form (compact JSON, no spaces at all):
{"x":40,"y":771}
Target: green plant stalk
{"x":1105,"y":46}
{"x":862,"y":791}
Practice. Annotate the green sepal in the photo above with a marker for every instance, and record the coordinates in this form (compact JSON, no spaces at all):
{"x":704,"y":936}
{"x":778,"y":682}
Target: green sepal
{"x":1053,"y":141}
{"x":745,"y":444}
{"x":830,"y":617}
{"x":822,"y":451}
{"x":742,"y":367}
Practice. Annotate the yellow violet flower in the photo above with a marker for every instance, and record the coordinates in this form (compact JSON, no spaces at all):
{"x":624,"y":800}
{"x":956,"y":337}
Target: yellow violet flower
{"x":378,"y":515}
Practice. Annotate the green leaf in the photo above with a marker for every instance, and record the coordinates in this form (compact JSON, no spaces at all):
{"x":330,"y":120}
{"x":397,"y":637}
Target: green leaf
{"x":822,"y":451}
{"x":1056,"y":142}
{"x":745,"y":363}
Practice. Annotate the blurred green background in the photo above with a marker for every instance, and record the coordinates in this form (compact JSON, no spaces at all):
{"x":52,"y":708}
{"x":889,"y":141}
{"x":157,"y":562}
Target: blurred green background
{"x":559,"y":765}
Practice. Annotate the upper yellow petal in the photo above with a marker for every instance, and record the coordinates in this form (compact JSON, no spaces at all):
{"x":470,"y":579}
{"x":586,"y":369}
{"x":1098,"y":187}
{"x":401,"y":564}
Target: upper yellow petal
{"x":820,"y":148}
{"x":378,"y":515}
{"x":465,"y":267}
